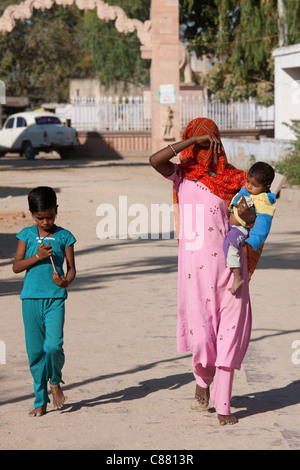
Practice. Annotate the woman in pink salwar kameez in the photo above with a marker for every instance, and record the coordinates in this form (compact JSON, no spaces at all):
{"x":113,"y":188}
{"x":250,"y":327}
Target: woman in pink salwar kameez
{"x":212,"y":323}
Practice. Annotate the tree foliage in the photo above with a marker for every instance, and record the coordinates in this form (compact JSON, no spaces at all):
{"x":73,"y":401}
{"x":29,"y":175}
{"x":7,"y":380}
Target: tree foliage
{"x":241,"y":44}
{"x":40,"y":56}
{"x":116,"y":56}
{"x":290,"y":165}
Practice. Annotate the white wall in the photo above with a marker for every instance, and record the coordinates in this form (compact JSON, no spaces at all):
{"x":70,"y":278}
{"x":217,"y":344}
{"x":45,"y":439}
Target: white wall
{"x":287,"y":89}
{"x":243,"y":153}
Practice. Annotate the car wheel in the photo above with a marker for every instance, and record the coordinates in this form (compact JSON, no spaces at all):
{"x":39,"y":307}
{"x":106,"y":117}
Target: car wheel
{"x":65,"y":153}
{"x":28,"y":151}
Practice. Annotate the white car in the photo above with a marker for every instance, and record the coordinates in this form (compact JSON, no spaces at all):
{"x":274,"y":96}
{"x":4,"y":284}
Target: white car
{"x":30,"y":132}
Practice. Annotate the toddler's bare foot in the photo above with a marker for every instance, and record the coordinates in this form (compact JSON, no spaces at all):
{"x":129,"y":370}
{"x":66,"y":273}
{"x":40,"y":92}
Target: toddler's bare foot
{"x":202,"y":396}
{"x":236,"y":285}
{"x":227,"y":419}
{"x":58,"y":396}
{"x":39,"y":411}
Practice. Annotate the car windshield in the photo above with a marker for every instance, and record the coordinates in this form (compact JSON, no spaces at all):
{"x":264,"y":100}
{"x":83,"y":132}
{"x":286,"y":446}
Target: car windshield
{"x":9,"y":123}
{"x":47,"y":120}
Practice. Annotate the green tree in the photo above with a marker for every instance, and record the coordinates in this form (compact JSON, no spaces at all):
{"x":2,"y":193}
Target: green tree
{"x":40,"y":56}
{"x":290,"y":165}
{"x":116,"y":56}
{"x":241,"y":46}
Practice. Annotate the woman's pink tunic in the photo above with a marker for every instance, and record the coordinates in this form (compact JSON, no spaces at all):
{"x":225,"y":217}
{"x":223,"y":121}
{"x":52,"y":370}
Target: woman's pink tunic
{"x":212,"y":323}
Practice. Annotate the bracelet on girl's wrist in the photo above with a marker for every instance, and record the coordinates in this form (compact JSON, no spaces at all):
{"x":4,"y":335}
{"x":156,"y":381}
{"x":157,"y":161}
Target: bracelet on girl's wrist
{"x":37,"y":256}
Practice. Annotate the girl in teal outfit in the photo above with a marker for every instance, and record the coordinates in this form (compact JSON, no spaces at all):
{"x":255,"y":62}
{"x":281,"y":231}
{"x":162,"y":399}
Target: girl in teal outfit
{"x":41,"y":251}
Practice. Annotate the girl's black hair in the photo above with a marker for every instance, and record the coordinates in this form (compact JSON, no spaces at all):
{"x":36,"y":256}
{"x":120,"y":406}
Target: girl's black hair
{"x":41,"y":199}
{"x":262,"y":172}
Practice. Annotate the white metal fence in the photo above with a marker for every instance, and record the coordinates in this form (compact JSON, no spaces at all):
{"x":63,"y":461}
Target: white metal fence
{"x":232,"y":115}
{"x":110,"y":114}
{"x":134,"y":113}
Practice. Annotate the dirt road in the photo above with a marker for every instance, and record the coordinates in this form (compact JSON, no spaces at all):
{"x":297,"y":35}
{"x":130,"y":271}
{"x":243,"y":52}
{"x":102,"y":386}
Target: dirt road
{"x":126,"y":386}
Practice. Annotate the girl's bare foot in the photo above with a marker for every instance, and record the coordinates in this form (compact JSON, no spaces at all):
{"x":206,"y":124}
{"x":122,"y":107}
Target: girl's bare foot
{"x":202,"y":396}
{"x":227,"y":419}
{"x":39,"y":411}
{"x":58,"y":396}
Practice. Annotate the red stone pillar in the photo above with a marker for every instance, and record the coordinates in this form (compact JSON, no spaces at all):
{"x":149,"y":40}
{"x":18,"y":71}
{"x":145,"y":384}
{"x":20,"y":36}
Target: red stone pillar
{"x":165,"y":75}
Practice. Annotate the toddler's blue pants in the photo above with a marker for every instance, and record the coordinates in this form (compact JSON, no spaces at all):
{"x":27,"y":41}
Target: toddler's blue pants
{"x":44,"y":323}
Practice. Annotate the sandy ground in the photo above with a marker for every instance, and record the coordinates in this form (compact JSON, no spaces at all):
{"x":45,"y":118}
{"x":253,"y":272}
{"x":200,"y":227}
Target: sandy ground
{"x":127,"y":388}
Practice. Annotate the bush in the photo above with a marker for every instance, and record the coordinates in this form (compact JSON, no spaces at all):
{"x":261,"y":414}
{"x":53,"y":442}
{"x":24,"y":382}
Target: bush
{"x":290,"y":165}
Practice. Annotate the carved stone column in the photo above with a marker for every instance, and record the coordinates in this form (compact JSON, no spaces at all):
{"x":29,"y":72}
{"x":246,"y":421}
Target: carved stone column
{"x":165,"y":71}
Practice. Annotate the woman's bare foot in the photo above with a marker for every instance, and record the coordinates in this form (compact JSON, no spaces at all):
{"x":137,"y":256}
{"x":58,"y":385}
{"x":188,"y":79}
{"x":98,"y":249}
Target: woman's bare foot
{"x":202,"y":396}
{"x":39,"y":411}
{"x":227,"y":419}
{"x":58,"y":396}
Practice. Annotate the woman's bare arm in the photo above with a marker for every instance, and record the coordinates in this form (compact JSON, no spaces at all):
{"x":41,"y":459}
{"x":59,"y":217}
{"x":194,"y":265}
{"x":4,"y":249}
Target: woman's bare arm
{"x":161,"y":159}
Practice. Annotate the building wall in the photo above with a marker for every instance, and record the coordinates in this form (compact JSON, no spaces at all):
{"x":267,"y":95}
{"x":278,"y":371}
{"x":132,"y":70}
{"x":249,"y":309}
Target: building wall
{"x":287,"y":90}
{"x":114,"y":144}
{"x":241,"y":152}
{"x":87,"y":87}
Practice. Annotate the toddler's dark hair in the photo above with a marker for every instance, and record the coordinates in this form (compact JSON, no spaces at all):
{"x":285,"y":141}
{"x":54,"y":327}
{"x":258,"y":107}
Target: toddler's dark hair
{"x":262,"y":172}
{"x":41,"y":199}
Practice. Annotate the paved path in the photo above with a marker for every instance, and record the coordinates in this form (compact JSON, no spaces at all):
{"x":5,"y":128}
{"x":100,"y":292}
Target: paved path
{"x":126,"y":386}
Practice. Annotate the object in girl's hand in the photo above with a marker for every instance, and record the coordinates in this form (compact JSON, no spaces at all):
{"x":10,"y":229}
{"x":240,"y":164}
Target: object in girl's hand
{"x":53,"y":264}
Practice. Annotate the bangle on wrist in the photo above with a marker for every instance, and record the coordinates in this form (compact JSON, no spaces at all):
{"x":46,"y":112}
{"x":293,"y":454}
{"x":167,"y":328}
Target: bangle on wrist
{"x":173,"y":150}
{"x":37,"y":256}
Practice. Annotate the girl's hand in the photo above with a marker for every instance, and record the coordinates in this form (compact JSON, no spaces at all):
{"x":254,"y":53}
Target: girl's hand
{"x":44,"y":251}
{"x":60,"y":281}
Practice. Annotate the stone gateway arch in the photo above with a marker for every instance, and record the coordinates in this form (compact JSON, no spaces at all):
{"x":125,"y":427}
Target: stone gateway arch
{"x":159,"y":37}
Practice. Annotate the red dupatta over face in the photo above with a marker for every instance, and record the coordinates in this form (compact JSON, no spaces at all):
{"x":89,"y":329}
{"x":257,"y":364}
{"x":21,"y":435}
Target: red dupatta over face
{"x":197,"y":163}
{"x":221,"y":178}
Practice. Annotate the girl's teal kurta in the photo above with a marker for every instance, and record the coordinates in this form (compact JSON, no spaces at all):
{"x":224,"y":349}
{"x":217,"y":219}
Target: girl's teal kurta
{"x":38,"y":280}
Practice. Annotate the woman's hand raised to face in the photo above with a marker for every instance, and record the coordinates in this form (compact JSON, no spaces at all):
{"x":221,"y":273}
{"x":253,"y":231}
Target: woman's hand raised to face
{"x":210,"y":141}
